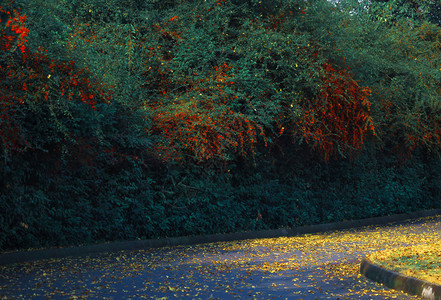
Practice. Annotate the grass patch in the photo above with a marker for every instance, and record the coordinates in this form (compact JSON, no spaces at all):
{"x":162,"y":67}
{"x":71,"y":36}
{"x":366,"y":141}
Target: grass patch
{"x":422,"y":261}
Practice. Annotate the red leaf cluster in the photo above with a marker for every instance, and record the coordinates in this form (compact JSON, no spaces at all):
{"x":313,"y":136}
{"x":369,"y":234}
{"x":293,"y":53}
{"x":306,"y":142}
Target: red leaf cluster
{"x":339,"y":115}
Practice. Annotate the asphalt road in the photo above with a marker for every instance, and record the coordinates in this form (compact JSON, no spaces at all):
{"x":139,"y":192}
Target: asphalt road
{"x":313,"y":266}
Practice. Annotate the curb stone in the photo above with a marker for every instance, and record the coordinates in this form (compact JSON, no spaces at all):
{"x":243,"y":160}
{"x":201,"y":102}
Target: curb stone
{"x":98,"y":249}
{"x":397,"y":281}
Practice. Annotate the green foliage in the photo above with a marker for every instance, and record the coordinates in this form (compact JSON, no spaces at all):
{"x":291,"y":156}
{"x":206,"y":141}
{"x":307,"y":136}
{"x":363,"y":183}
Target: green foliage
{"x":144,"y":119}
{"x":434,"y":14}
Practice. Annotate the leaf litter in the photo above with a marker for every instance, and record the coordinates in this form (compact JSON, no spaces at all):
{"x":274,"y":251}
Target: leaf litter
{"x":310,"y":266}
{"x":422,"y":261}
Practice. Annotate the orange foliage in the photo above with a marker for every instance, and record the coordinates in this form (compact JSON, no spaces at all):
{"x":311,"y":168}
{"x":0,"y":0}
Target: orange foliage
{"x":219,"y":2}
{"x":427,"y":133}
{"x":168,"y":33}
{"x":276,"y":21}
{"x":338,"y":116}
{"x":204,"y":136}
{"x":31,"y":76}
{"x":12,"y":36}
{"x":16,"y":25}
{"x":202,"y":126}
{"x":83,"y":31}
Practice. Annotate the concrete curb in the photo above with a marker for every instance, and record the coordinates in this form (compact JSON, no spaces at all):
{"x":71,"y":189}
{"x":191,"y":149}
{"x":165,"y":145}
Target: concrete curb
{"x":95,"y":250}
{"x":397,"y":281}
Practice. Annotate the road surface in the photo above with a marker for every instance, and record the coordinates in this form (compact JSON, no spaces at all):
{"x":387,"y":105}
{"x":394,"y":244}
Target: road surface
{"x":313,"y":266}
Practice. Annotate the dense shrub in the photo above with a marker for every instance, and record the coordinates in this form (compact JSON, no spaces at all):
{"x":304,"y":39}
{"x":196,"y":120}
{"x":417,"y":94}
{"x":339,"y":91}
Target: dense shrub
{"x":144,"y":119}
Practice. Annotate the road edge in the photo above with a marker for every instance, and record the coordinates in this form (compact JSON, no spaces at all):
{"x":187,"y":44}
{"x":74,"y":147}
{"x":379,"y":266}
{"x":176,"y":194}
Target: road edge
{"x":97,"y":249}
{"x":397,"y":281}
